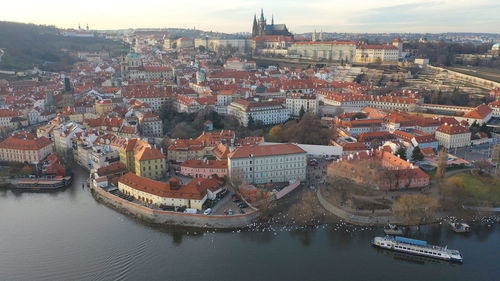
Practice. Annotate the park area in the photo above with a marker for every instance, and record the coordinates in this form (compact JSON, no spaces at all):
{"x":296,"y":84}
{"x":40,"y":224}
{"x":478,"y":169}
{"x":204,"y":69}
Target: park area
{"x":480,"y":188}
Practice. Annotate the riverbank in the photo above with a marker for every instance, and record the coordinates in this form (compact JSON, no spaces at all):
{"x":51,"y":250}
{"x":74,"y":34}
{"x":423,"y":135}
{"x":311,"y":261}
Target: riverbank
{"x":380,"y":219}
{"x":160,"y":217}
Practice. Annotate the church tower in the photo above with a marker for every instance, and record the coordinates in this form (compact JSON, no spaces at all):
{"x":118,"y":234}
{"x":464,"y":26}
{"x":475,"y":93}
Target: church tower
{"x":314,"y":36}
{"x":255,"y":29}
{"x":261,"y":23}
{"x":321,"y":35}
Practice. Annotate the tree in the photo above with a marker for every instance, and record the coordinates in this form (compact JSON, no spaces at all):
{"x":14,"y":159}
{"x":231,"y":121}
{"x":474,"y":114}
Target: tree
{"x":251,"y":122}
{"x":454,"y":193}
{"x":276,"y":134}
{"x":442,"y":161}
{"x":301,"y":112}
{"x":199,"y":120}
{"x":308,"y":130}
{"x":416,"y":208}
{"x":417,"y":154}
{"x":183,"y":131}
{"x":359,"y":115}
{"x":231,"y":123}
{"x":495,"y":156}
{"x":27,"y":170}
{"x":165,"y":143}
{"x":436,"y":96}
{"x":483,"y":166}
{"x":401,"y":152}
{"x":237,"y":177}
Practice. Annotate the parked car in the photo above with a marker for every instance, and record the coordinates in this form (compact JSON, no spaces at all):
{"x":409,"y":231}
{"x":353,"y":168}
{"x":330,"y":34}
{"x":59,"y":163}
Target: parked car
{"x":230,"y":211}
{"x":236,"y":200}
{"x":225,"y":212}
{"x":241,"y":211}
{"x":207,"y":211}
{"x":242,"y":205}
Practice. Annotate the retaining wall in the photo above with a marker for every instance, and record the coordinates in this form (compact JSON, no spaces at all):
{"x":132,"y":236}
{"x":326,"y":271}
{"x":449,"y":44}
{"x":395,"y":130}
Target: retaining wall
{"x":173,"y":218}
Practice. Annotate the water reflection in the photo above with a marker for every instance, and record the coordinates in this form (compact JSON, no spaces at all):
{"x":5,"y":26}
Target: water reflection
{"x":305,"y":236}
{"x":70,"y":234}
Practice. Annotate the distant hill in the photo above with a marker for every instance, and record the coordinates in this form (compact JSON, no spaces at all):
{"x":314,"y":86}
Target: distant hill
{"x":28,"y":45}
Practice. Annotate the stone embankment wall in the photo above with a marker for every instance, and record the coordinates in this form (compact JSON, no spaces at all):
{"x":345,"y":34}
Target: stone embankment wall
{"x":173,"y":218}
{"x":468,"y":78}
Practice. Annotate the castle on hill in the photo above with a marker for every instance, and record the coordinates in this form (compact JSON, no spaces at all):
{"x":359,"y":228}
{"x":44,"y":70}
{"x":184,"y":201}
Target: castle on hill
{"x":261,"y":28}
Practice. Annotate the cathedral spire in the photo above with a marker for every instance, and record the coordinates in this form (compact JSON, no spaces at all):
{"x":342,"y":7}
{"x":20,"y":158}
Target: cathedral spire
{"x":254,"y":26}
{"x":262,"y":15}
{"x":272,"y":19}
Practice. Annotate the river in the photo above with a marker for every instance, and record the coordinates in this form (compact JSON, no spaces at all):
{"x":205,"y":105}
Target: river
{"x":69,"y":236}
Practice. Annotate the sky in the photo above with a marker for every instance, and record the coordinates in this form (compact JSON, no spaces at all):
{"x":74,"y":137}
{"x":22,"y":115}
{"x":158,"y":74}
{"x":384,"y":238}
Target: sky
{"x":237,"y":15}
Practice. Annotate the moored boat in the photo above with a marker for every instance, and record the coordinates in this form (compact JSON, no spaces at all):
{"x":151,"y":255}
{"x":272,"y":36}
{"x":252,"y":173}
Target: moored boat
{"x":460,"y":227}
{"x":392,"y":229}
{"x":41,"y":184}
{"x":417,"y":247}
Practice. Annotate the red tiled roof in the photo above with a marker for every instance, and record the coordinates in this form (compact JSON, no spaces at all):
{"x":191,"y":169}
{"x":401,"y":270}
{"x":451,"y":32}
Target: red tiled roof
{"x":265,"y":150}
{"x":196,"y":189}
{"x":479,"y":112}
{"x":20,"y":143}
{"x":149,"y":153}
{"x":452,"y":129}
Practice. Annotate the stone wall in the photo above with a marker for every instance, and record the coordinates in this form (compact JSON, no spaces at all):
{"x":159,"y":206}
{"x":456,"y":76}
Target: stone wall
{"x":173,"y":218}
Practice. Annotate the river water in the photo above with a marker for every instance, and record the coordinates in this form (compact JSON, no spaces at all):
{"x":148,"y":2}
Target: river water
{"x":69,"y":236}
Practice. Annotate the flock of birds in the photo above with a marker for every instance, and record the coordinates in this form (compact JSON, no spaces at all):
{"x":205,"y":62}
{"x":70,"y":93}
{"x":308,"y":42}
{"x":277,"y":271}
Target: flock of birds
{"x":278,"y":224}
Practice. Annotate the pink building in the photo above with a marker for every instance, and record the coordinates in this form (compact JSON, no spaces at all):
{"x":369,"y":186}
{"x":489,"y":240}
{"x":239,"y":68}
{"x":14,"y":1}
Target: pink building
{"x":204,"y":168}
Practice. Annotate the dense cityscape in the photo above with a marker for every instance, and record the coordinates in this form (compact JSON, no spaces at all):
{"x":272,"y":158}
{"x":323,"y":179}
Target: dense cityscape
{"x":260,"y":131}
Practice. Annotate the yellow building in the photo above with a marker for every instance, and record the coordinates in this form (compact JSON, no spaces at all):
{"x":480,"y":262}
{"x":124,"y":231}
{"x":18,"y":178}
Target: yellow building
{"x":127,"y":152}
{"x":142,"y":159}
{"x":150,"y":163}
{"x":103,"y":106}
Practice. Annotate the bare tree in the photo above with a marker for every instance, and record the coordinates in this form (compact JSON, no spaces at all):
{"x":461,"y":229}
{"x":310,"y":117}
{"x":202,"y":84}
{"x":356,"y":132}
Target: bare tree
{"x":442,"y":160}
{"x":416,"y":208}
{"x":237,"y":177}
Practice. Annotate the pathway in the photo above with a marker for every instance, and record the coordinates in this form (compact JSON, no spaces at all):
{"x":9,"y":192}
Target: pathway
{"x":352,"y":218}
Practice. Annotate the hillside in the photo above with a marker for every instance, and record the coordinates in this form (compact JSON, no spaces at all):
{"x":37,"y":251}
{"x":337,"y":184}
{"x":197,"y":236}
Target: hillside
{"x":27,"y":45}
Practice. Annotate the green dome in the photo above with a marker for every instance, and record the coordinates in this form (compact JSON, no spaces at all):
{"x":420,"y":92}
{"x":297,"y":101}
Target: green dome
{"x":132,"y":56}
{"x":497,"y":45}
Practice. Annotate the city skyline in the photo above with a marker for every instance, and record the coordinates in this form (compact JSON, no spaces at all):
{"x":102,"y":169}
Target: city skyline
{"x":233,"y":17}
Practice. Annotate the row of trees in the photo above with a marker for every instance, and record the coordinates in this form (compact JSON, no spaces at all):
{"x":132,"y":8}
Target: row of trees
{"x":455,"y":97}
{"x":190,"y":125}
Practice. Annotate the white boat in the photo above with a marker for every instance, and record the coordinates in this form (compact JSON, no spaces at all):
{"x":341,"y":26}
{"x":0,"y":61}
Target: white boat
{"x":392,"y":229}
{"x":417,"y":247}
{"x":460,"y":227}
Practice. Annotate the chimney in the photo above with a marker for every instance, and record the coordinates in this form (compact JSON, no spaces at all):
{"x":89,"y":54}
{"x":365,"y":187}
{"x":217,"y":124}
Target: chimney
{"x":174,"y":184}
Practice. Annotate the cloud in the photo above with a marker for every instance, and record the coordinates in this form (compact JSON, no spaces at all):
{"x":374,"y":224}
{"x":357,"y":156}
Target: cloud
{"x":236,"y":15}
{"x":431,"y":17}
